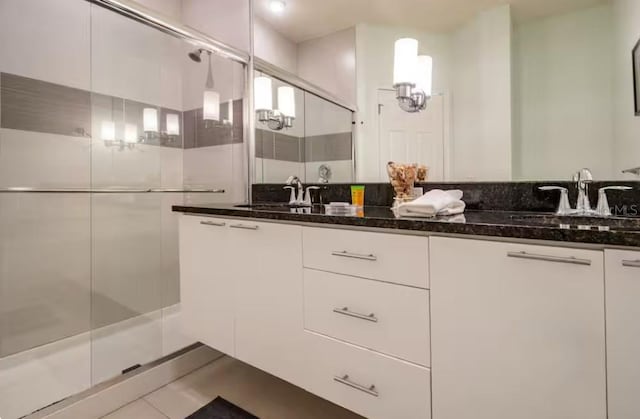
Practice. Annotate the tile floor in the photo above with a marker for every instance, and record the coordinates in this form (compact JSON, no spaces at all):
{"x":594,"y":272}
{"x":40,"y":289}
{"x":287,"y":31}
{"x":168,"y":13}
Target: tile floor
{"x":255,"y":391}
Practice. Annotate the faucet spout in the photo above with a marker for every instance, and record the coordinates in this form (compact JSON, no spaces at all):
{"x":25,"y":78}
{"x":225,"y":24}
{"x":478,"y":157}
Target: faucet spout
{"x":583,"y":179}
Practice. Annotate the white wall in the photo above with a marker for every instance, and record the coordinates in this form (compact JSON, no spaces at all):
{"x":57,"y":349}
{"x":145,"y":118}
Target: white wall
{"x":169,"y":8}
{"x":273,"y":47}
{"x":563,"y":95}
{"x":35,"y":50}
{"x":330,"y":62}
{"x":374,"y":49}
{"x":481,"y":98}
{"x":626,"y":14}
{"x":224,"y":20}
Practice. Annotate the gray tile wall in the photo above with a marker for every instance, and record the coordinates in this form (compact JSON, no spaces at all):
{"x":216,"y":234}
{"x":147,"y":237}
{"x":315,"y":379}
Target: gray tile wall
{"x":34,"y":105}
{"x":279,"y":146}
{"x":198,"y":133}
{"x":329,"y":147}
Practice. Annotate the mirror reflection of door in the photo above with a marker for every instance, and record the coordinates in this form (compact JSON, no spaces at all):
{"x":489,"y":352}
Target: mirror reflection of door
{"x":412,"y":137}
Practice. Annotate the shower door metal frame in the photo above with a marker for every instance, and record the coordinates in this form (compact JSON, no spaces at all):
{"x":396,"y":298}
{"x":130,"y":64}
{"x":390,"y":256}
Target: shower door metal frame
{"x":200,"y":40}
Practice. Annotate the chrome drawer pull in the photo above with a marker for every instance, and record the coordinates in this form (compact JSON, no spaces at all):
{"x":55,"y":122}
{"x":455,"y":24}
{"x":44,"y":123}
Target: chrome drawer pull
{"x":213,"y":223}
{"x":345,"y":311}
{"x":345,"y":380}
{"x":244,"y":226}
{"x":571,"y":259}
{"x":631,"y":263}
{"x":346,"y":254}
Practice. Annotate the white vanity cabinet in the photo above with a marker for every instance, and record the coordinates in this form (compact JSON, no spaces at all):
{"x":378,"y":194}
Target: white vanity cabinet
{"x":207,"y":285}
{"x":622,"y":284}
{"x":366,"y":319}
{"x":269,"y":296}
{"x":241,"y":290}
{"x":517,"y":331}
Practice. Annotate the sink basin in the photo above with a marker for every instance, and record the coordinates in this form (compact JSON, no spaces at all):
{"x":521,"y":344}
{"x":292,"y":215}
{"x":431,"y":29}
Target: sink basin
{"x":578,"y":222}
{"x":269,"y":206}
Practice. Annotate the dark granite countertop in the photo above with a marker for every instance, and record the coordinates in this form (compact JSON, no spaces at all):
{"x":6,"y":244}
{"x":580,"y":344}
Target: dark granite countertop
{"x":616,"y":231}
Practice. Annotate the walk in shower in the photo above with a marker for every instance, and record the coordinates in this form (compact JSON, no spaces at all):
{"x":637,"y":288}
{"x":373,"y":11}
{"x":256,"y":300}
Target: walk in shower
{"x":105,"y":122}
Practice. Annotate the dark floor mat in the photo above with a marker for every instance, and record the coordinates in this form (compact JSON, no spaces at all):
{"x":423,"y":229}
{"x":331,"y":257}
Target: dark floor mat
{"x":220,"y":408}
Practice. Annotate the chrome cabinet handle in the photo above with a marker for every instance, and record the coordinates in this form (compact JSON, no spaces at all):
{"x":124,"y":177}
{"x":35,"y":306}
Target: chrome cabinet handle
{"x":346,"y":254}
{"x":213,"y":223}
{"x":244,"y":226}
{"x":346,"y":312}
{"x":371,"y":390}
{"x":631,"y":263}
{"x":571,"y":259}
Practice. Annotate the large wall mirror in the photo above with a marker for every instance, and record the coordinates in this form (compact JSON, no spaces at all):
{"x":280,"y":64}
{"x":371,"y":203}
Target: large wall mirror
{"x":299,"y":133}
{"x":531,"y":90}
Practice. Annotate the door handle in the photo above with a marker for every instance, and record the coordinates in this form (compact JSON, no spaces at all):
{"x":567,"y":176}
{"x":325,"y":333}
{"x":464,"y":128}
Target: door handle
{"x":344,"y":379}
{"x":213,"y":223}
{"x":346,"y":312}
{"x":244,"y":226}
{"x":346,"y":254}
{"x":631,"y":263}
{"x":560,"y":259}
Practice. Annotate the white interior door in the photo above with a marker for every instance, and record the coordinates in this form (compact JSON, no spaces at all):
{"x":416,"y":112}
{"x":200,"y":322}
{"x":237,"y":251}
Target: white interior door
{"x":412,"y":137}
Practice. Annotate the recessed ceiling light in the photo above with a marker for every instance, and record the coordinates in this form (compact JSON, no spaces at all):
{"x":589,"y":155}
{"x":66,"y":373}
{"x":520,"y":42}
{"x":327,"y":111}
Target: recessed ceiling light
{"x":277,"y":6}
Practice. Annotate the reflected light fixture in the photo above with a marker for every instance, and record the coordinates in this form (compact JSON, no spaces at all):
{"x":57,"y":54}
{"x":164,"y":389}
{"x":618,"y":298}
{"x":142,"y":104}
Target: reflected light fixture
{"x":173,"y":125}
{"x":277,"y":6}
{"x":275,"y":119}
{"x":150,"y":121}
{"x":412,"y":76}
{"x":211,"y":100}
{"x":108,"y":131}
{"x":130,"y":134}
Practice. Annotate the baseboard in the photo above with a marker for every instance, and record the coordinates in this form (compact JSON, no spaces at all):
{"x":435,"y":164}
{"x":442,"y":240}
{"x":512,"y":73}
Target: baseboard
{"x":107,"y":397}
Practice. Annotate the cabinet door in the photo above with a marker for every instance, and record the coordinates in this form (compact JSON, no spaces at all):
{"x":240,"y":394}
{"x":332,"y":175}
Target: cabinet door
{"x":517,"y":331}
{"x":622,"y":278}
{"x":267,"y":261}
{"x":206,"y":282}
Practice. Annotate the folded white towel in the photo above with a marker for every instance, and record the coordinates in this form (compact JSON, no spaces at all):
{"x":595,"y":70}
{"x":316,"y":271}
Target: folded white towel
{"x":434,"y":202}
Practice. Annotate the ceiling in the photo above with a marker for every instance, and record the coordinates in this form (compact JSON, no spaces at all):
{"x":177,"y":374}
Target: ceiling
{"x":307,"y":19}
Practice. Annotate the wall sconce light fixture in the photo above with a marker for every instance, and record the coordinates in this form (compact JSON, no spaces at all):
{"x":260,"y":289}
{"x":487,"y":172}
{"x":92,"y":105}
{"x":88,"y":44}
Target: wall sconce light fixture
{"x":276,"y":119}
{"x":151,"y":129}
{"x":412,"y":75}
{"x":211,"y":101}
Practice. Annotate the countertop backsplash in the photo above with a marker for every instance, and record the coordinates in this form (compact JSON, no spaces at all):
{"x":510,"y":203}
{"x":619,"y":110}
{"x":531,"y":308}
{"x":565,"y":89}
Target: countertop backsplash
{"x":487,"y":196}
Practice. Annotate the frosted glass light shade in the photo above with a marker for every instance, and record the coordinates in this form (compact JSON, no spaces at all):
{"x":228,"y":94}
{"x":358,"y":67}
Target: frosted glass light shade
{"x":424,"y":74}
{"x":150,"y":119}
{"x":211,"y":106}
{"x":263,"y":96}
{"x":405,"y":60}
{"x":230,"y":112}
{"x":173,"y":124}
{"x":108,"y":131}
{"x":131,"y":133}
{"x":287,"y":101}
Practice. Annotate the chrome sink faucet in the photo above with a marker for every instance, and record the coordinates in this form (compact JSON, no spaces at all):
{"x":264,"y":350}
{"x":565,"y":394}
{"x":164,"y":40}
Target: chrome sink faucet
{"x":583,"y":179}
{"x":296,"y":197}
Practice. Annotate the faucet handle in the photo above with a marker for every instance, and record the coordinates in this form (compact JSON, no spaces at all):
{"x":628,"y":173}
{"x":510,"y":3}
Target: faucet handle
{"x":292,"y":196}
{"x":564,"y":208}
{"x":307,"y":200}
{"x":603,"y":208}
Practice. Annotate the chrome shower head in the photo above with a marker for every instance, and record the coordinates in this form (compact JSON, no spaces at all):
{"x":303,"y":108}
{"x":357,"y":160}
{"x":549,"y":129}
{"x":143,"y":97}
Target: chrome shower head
{"x":195,"y":55}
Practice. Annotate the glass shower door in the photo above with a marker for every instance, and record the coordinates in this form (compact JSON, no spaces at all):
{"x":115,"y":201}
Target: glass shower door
{"x":45,"y":234}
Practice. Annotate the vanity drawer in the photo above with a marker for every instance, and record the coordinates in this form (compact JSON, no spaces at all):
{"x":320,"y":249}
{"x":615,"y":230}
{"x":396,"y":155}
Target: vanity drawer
{"x":387,"y":318}
{"x":386,"y":257}
{"x":370,"y":384}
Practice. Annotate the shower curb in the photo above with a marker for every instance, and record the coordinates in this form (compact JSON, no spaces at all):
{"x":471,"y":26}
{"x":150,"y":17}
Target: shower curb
{"x":107,"y":397}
